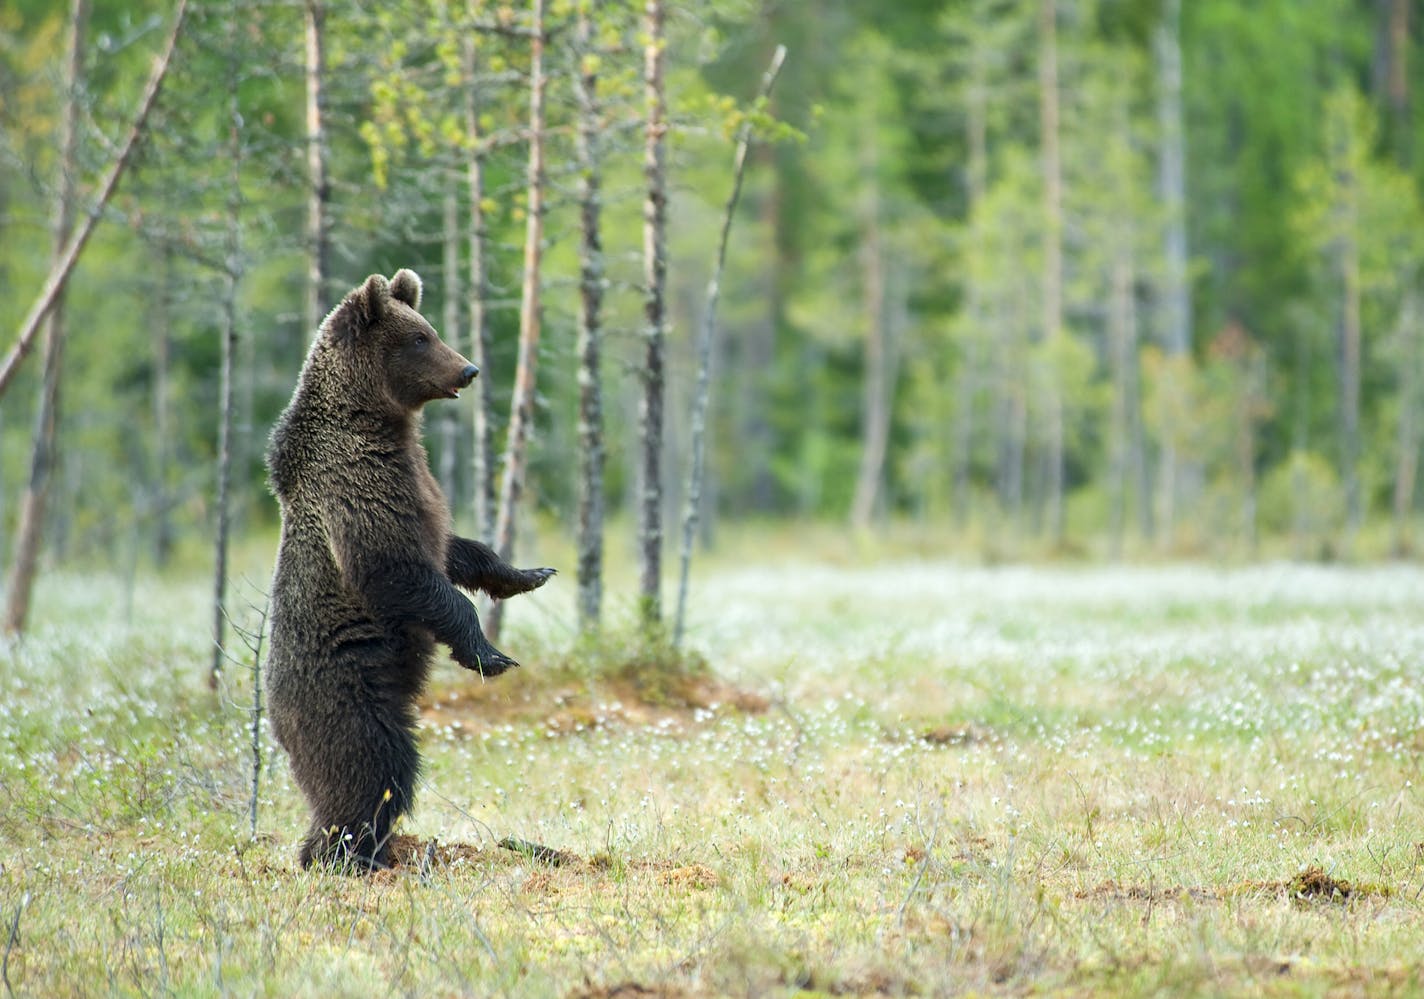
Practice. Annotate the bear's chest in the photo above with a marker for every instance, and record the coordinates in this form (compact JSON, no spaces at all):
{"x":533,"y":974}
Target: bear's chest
{"x":431,"y":509}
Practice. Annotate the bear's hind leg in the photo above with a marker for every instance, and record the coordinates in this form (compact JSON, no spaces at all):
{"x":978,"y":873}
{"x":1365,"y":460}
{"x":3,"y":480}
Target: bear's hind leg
{"x":371,"y":783}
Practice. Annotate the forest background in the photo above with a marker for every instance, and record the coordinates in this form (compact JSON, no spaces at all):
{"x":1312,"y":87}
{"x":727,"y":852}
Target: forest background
{"x":1124,"y":278}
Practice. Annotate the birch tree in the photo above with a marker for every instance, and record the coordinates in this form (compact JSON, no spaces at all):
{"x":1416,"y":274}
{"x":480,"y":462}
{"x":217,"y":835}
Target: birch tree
{"x":1175,"y":298}
{"x":1052,"y":275}
{"x":231,"y":280}
{"x":43,"y":449}
{"x":521,"y":407}
{"x":62,"y":267}
{"x":318,"y":225}
{"x":650,"y":413}
{"x":590,"y":323}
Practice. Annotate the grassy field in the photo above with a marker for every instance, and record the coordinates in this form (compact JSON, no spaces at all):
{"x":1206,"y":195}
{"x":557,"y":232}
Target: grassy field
{"x":910,"y":778}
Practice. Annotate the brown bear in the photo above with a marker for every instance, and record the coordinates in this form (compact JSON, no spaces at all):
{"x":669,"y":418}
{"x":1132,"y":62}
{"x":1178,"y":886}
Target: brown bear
{"x":367,"y":568}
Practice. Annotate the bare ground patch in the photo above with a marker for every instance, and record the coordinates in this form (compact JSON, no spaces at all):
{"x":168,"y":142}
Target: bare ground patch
{"x":570,"y":706}
{"x":1311,"y":885}
{"x":412,"y":853}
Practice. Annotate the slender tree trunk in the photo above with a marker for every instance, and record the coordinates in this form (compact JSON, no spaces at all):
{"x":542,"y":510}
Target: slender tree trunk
{"x":1391,"y":72}
{"x":756,"y":352}
{"x":968,"y":377}
{"x":1406,"y":463}
{"x":1137,"y":443}
{"x":318,"y":227}
{"x":650,"y":414}
{"x":1013,"y":451}
{"x":706,"y":350}
{"x":875,"y":384}
{"x":62,"y":267}
{"x":450,"y":320}
{"x":521,"y":407}
{"x":162,"y":432}
{"x":44,"y":450}
{"x":1300,"y":445}
{"x":1176,"y":302}
{"x":232,"y":277}
{"x":1052,"y":256}
{"x":1119,"y":340}
{"x":1350,"y":323}
{"x":1253,"y":382}
{"x":482,"y":425}
{"x":590,"y":332}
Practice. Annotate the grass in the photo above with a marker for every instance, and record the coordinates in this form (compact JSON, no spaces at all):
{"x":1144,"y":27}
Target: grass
{"x":911,"y":777}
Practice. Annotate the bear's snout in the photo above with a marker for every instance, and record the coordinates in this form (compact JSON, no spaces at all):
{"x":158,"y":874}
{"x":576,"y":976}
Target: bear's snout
{"x":467,"y":375}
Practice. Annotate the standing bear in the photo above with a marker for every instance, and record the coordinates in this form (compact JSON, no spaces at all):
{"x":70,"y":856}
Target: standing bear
{"x":367,"y":568}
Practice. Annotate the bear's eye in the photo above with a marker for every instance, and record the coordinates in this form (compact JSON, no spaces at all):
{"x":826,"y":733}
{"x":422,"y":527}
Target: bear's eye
{"x":421,"y":339}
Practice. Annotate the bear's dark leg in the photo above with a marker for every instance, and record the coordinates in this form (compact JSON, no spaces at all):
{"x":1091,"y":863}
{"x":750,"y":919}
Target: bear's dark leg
{"x":359,"y":778}
{"x":475,"y":566}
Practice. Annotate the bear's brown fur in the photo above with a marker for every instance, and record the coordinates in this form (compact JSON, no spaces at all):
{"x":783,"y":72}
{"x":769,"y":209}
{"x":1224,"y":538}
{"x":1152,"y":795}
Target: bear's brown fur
{"x":367,"y":568}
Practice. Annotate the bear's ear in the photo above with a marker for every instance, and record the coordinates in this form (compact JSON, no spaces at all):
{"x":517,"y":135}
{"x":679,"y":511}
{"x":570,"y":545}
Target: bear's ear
{"x":406,"y":287}
{"x":360,"y":309}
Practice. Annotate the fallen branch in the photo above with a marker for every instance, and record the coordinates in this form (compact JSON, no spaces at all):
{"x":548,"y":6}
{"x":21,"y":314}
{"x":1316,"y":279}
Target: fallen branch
{"x":64,"y":266}
{"x":542,"y":854}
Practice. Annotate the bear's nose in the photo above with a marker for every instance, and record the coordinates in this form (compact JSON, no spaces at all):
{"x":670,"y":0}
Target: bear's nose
{"x":468,"y":374}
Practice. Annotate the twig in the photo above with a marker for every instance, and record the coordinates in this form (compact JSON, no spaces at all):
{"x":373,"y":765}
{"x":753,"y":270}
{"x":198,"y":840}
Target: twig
{"x":537,"y":851}
{"x":704,"y":352}
{"x":10,"y":943}
{"x":920,"y":874}
{"x":59,"y":273}
{"x":257,"y":718}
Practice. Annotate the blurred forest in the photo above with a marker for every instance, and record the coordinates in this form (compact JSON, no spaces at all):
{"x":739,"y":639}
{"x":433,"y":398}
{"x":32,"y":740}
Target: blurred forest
{"x":1122,"y":277}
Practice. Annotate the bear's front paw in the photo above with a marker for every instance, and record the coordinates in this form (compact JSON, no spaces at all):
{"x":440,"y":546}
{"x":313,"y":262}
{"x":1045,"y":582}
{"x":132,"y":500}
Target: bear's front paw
{"x":486,"y":660}
{"x":517,"y":581}
{"x":535,"y":578}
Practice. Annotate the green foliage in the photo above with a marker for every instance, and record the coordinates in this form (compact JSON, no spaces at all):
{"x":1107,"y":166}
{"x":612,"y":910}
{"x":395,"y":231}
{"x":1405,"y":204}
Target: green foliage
{"x":1302,"y":498}
{"x":922,"y":117}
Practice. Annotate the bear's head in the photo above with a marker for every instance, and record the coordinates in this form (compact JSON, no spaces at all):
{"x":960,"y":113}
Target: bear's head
{"x":389,"y":349}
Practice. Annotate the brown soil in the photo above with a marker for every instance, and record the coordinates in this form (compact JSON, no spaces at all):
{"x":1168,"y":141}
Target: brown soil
{"x":626,"y":990}
{"x":567,"y":707}
{"x":1311,"y":885}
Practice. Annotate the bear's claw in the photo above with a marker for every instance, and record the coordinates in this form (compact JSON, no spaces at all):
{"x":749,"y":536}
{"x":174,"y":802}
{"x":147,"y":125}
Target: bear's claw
{"x":538,"y":577}
{"x":488,"y":662}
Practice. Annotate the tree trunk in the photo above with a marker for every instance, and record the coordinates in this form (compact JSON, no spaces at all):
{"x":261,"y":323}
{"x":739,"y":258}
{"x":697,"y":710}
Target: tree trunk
{"x":1012,"y":407}
{"x":875,"y":384}
{"x":450,"y":321}
{"x":1350,"y":335}
{"x":232,"y":276}
{"x":1052,"y":257}
{"x":1253,"y":383}
{"x":162,"y":424}
{"x":481,"y":404}
{"x":43,"y":452}
{"x":706,"y":350}
{"x":968,"y":377}
{"x":521,"y":407}
{"x":318,"y":230}
{"x":1390,"y":73}
{"x":650,"y":413}
{"x":590,"y":421}
{"x":63,"y":267}
{"x":1176,"y":302}
{"x":1137,"y":445}
{"x":1406,"y":462}
{"x":1119,"y":345}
